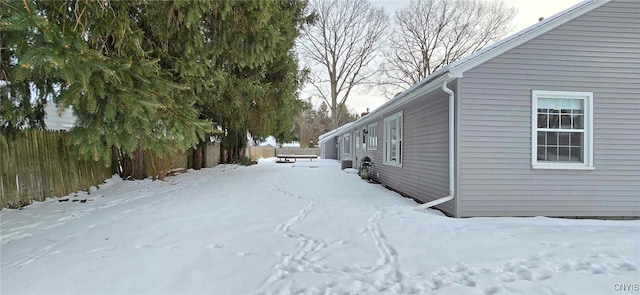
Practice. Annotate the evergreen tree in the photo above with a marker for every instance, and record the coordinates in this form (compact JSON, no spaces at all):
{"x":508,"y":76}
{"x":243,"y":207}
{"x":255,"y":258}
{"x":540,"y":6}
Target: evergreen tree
{"x":259,"y":74}
{"x":147,"y":76}
{"x":95,"y":57}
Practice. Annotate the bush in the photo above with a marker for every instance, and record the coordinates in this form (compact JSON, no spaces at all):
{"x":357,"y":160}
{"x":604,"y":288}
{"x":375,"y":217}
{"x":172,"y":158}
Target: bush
{"x":245,"y":161}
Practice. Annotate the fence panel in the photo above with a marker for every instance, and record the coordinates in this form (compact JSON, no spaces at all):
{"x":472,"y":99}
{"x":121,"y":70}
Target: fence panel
{"x":257,"y":152}
{"x":298,"y":151}
{"x":38,"y":164}
{"x":213,"y":154}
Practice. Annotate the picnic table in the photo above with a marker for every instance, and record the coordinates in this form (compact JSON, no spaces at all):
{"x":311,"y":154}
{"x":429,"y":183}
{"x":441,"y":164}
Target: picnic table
{"x":288,"y":158}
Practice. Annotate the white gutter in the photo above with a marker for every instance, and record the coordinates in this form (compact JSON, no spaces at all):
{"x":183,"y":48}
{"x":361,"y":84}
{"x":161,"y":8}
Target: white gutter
{"x":451,"y":149}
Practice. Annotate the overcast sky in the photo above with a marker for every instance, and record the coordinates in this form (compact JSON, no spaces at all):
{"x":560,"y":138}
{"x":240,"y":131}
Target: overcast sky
{"x":528,"y":13}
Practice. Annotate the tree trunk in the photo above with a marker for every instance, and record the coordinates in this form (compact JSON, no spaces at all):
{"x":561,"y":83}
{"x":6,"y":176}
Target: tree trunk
{"x":133,"y":167}
{"x":197,"y":158}
{"x":204,"y":146}
{"x":200,"y":156}
{"x":138,"y":164}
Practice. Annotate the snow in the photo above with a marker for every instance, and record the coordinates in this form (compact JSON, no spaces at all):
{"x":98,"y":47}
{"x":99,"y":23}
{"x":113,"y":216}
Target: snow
{"x":301,"y":228}
{"x":271,"y":141}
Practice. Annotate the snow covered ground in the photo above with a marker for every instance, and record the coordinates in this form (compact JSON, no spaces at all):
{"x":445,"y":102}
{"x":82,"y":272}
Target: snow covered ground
{"x":303,"y":228}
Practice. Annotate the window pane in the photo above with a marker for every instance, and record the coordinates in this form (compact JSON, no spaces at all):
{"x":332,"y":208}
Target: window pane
{"x":560,"y":103}
{"x":554,"y":121}
{"x":552,"y":138}
{"x":563,"y":154}
{"x":393,"y":136}
{"x":543,"y":103}
{"x":578,"y":122}
{"x":576,"y":155}
{"x":542,"y":121}
{"x":576,"y":139}
{"x":552,"y":154}
{"x":542,"y":153}
{"x":564,"y":138}
{"x":565,"y":121}
{"x":541,"y":138}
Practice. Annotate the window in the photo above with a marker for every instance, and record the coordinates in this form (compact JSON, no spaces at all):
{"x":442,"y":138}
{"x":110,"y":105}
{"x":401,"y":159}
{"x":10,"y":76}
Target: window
{"x":345,"y":144}
{"x":372,"y":134}
{"x":562,"y":130}
{"x":392,"y":150}
{"x":357,"y":140}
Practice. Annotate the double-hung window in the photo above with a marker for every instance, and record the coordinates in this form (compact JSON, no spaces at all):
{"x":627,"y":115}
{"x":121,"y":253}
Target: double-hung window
{"x":372,"y":134}
{"x":562,"y":130}
{"x":346,"y":145}
{"x":392,"y":149}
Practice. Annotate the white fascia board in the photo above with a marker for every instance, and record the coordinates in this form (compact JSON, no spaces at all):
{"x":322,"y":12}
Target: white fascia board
{"x":334,"y":132}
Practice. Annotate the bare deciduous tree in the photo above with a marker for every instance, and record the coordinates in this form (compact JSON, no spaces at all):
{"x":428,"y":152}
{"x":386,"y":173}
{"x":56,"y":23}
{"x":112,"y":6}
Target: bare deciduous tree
{"x":339,"y":46}
{"x":429,"y":34}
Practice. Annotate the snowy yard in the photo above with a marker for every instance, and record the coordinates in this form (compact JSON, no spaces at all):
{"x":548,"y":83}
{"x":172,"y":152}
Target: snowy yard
{"x":303,"y":228}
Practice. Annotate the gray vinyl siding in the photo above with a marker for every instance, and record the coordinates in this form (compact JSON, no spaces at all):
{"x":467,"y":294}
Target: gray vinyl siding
{"x":328,"y":148}
{"x":597,"y":52}
{"x":424,"y":174}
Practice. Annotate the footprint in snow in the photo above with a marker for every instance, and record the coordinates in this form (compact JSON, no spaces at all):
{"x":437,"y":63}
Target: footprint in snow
{"x":628,"y":266}
{"x":214,"y":246}
{"x":542,"y":276}
{"x":243,"y":254}
{"x":508,"y":277}
{"x":491,"y":290}
{"x":524,"y":274}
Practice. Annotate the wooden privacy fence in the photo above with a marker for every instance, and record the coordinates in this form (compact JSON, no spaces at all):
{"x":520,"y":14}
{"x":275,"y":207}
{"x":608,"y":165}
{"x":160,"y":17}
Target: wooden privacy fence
{"x":257,"y":152}
{"x":298,"y":151}
{"x":38,"y":164}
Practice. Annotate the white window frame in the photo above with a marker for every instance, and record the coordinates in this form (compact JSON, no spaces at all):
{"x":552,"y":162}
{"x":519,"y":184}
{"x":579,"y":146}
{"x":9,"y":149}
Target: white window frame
{"x":346,"y":144}
{"x":386,"y":149}
{"x":372,"y":137}
{"x":587,"y":150}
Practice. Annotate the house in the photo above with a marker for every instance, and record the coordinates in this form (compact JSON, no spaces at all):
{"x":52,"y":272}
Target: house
{"x":56,"y":119}
{"x":336,"y":143}
{"x":545,"y":122}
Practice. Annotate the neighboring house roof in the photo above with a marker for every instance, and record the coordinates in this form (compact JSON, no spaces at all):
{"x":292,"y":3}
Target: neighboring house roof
{"x":456,"y":69}
{"x":58,"y":120}
{"x":334,"y":132}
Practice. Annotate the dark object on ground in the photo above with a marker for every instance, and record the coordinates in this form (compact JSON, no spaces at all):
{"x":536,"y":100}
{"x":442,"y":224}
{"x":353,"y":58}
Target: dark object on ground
{"x":288,"y":158}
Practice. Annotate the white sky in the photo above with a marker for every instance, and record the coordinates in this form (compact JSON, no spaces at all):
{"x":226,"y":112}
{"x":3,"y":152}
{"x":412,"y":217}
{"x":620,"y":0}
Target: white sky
{"x":528,"y":13}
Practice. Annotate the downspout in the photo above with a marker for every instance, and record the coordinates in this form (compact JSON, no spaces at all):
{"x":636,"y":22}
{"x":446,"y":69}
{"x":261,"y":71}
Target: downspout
{"x":451,"y":150}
